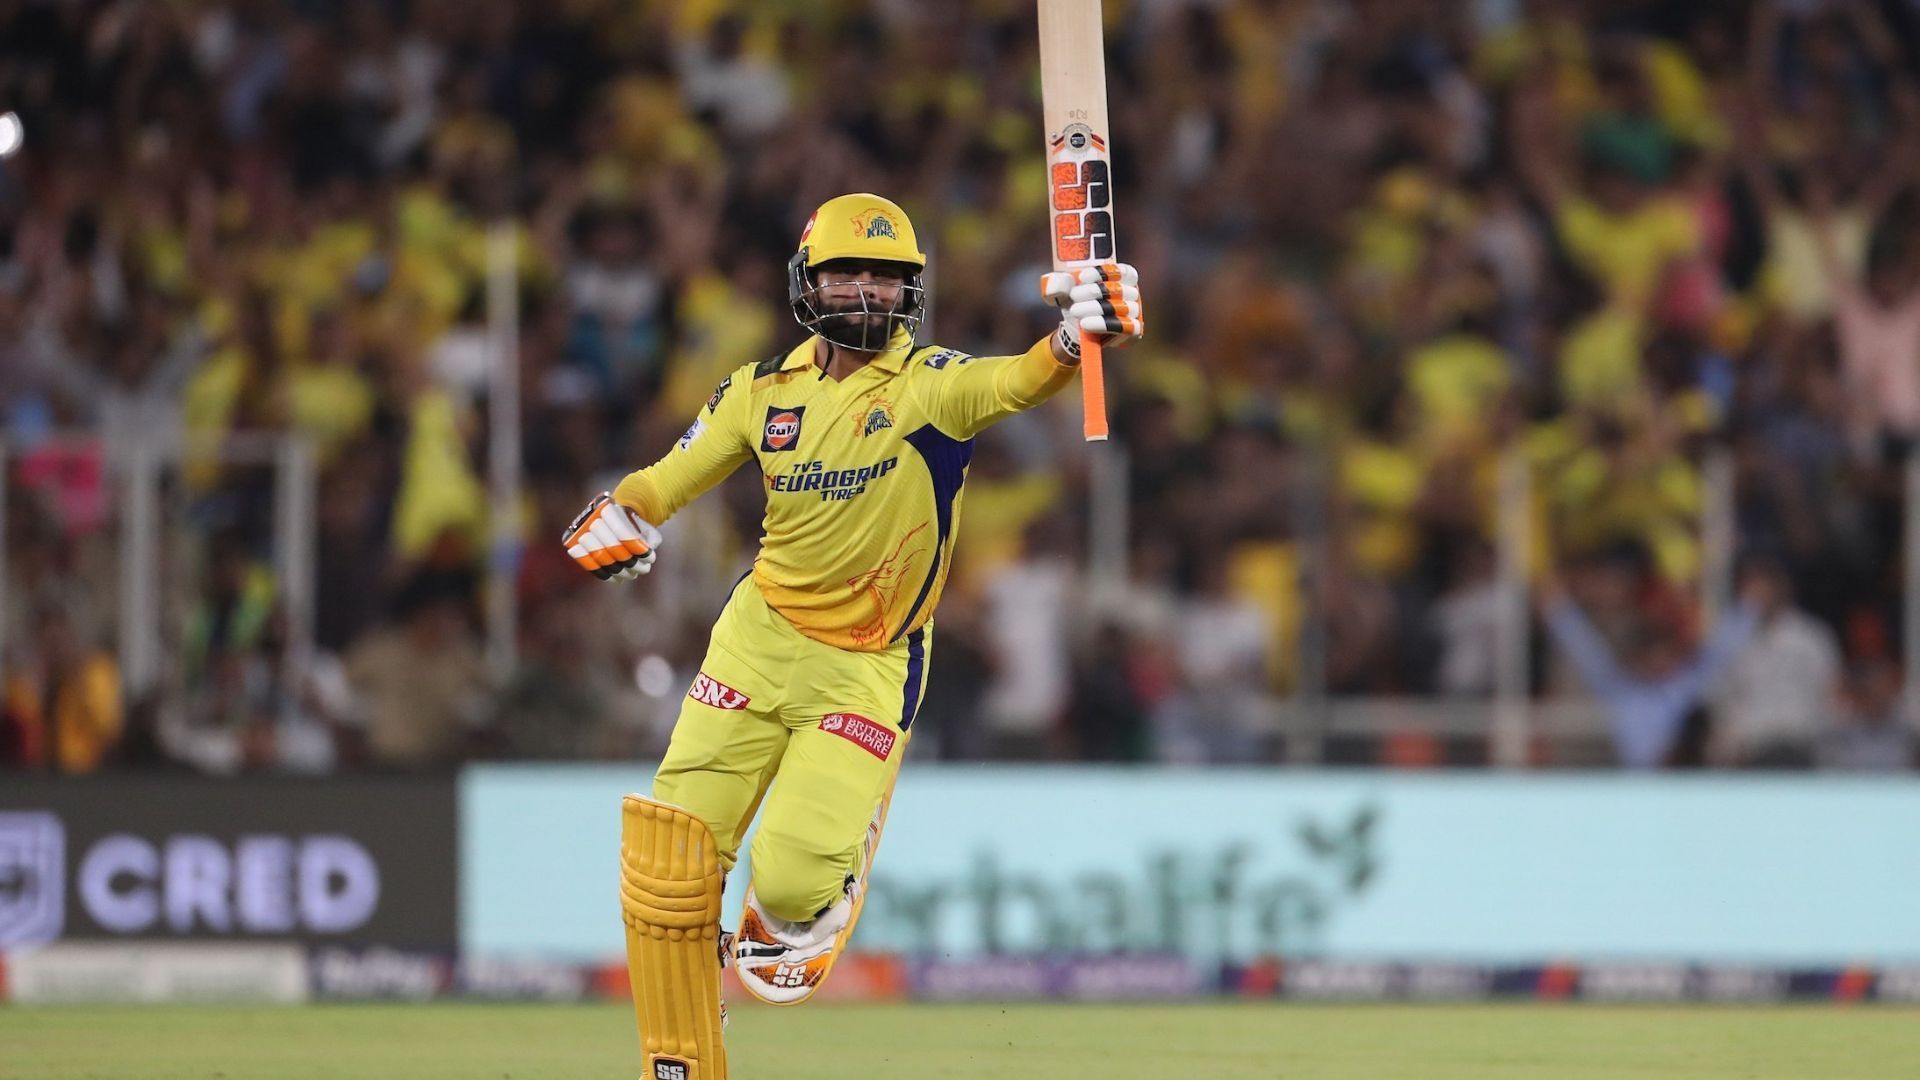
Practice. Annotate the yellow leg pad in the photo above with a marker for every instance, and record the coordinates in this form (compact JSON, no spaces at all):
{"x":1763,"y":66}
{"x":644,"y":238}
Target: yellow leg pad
{"x":670,"y":897}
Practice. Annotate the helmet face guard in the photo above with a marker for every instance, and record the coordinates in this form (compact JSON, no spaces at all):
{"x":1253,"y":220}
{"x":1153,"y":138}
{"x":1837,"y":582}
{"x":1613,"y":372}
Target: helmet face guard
{"x":855,"y":328}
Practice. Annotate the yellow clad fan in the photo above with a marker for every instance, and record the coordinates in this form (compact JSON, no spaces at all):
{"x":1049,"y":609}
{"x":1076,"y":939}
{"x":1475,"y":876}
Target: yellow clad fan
{"x":817,"y":664}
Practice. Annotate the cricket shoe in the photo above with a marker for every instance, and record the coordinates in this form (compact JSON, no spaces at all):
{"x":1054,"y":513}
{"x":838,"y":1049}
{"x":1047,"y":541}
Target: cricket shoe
{"x":783,"y":963}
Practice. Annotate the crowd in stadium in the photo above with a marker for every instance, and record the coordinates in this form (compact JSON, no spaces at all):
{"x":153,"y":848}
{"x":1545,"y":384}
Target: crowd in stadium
{"x":1384,"y":240}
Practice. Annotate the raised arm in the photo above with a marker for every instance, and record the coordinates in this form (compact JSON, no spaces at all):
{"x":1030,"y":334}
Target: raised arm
{"x":1763,"y":37}
{"x":1897,"y":172}
{"x":965,"y":394}
{"x":1735,"y":630}
{"x":1536,"y":145}
{"x":1582,"y":643}
{"x":1826,"y":247}
{"x":1747,"y":113}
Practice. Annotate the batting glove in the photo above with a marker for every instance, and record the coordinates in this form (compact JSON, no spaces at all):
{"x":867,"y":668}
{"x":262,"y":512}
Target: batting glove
{"x":1103,"y":301}
{"x":610,"y":541}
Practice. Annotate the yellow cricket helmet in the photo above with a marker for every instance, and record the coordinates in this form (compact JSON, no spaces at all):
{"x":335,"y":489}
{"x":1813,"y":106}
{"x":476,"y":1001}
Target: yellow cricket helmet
{"x":860,"y":226}
{"x":865,"y":228}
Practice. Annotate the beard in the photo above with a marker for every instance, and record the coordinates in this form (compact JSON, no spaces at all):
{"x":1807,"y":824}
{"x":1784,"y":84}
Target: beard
{"x":848,"y":325}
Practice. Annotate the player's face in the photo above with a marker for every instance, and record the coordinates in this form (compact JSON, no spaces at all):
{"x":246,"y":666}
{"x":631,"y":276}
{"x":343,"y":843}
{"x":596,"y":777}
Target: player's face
{"x":843,"y":284}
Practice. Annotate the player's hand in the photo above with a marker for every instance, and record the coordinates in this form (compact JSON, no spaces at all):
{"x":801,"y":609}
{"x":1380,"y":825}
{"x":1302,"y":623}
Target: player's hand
{"x":1102,"y":302}
{"x":610,"y":541}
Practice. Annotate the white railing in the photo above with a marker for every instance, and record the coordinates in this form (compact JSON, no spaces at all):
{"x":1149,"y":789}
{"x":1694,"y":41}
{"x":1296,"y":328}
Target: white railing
{"x":503,"y":446}
{"x":137,"y":472}
{"x":1513,"y":722}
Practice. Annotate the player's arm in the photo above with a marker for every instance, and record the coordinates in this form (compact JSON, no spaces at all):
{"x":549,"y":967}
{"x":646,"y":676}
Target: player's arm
{"x":965,"y":394}
{"x":615,"y":536}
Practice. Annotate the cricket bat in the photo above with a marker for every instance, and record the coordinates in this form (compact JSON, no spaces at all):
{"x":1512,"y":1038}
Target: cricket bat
{"x":1073,"y":95}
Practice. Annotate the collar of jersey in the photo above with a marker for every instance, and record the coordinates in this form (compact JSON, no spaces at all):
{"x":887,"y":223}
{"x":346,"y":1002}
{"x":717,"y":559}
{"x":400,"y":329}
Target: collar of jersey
{"x":891,"y":361}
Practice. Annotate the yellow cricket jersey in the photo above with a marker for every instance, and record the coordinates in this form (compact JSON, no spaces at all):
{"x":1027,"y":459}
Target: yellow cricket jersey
{"x":863,"y":476}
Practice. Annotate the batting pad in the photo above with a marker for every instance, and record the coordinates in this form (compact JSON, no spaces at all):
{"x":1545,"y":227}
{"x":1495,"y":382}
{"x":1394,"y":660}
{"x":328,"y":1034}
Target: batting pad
{"x":670,"y":898}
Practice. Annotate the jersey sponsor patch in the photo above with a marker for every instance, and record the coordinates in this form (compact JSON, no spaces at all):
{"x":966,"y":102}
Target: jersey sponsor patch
{"x":692,"y":433}
{"x":718,"y":393}
{"x":708,"y":690}
{"x":783,"y":428}
{"x":859,"y":731}
{"x":941,"y":359}
{"x":830,"y":483}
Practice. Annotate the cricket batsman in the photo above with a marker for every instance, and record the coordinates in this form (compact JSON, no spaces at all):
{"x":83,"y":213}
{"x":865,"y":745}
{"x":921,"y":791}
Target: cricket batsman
{"x":818,"y":662}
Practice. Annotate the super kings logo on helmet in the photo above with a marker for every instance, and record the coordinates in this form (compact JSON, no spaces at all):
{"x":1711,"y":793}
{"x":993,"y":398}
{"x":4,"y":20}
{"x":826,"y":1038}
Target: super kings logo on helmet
{"x":783,"y":428}
{"x":871,"y":223}
{"x":708,"y":690}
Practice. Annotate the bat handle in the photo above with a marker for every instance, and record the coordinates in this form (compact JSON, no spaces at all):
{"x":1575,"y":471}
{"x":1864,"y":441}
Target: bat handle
{"x":1093,"y":390}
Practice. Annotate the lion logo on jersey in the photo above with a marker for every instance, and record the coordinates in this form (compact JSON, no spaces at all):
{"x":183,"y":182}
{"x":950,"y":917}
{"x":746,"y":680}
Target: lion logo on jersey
{"x":882,"y":584}
{"x":872,"y":223}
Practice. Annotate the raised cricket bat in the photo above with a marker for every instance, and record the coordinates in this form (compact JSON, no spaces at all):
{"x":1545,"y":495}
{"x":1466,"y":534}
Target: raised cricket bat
{"x":1073,"y":95}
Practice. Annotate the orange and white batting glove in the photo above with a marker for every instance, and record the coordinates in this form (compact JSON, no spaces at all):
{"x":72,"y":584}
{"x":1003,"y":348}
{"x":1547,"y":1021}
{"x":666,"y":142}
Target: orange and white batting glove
{"x":610,"y":541}
{"x":1103,"y":301}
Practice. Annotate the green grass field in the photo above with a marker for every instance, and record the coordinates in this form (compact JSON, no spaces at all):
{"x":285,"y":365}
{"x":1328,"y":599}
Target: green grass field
{"x":844,"y":1042}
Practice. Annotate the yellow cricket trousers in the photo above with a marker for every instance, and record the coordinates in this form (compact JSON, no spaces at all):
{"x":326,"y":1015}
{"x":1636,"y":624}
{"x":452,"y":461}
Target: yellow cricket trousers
{"x":831,"y":724}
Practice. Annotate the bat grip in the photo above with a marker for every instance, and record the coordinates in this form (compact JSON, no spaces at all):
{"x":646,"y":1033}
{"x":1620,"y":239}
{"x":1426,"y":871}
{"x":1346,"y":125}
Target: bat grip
{"x":1093,"y":390}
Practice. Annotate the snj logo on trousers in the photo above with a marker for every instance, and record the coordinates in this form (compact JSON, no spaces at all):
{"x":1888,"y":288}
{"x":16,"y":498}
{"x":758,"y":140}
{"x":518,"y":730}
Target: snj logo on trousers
{"x":708,"y":690}
{"x":859,"y":731}
{"x":783,"y":428}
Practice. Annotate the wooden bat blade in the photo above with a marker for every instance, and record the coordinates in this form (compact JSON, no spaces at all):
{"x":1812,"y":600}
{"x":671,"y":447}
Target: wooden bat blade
{"x":1073,"y":92}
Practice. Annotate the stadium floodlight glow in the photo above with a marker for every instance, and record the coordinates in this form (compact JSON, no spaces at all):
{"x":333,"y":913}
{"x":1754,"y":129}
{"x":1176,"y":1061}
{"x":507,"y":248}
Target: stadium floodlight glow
{"x":12,"y":134}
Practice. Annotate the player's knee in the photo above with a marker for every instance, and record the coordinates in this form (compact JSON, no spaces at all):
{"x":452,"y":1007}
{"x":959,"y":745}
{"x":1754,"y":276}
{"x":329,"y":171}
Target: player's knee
{"x":706,"y":805}
{"x":795,"y":886}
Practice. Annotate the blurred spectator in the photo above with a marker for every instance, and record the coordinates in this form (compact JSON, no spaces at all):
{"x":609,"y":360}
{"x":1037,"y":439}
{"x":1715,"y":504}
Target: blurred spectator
{"x":1871,"y":736}
{"x":1111,"y":711}
{"x":559,"y":703}
{"x":1650,"y":697}
{"x":616,"y":297}
{"x":1782,"y":689}
{"x":1219,"y":712}
{"x":420,"y":678}
{"x":1466,"y":621}
{"x":1878,"y":325}
{"x":62,"y":709}
{"x":1026,"y":619}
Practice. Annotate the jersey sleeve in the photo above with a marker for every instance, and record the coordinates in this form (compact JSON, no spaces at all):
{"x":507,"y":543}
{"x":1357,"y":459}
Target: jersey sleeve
{"x":965,"y":394}
{"x":713,"y":446}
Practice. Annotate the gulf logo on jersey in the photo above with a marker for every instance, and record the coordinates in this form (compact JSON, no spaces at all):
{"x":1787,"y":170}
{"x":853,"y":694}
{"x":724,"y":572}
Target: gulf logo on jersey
{"x":708,"y":690}
{"x":783,"y":428}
